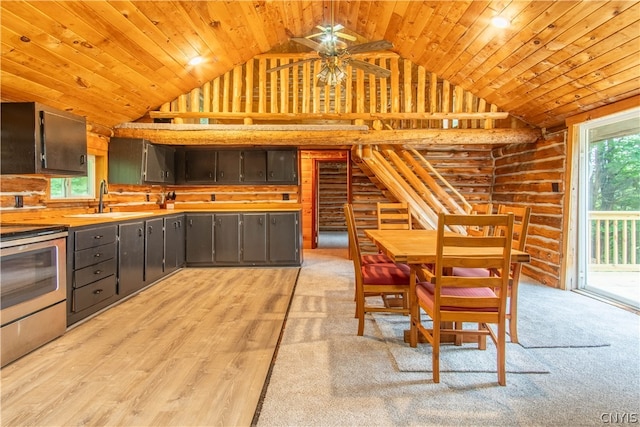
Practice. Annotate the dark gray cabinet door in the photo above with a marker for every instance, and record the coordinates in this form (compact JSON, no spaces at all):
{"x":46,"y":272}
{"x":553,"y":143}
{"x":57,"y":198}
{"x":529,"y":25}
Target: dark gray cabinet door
{"x":154,"y":250}
{"x":284,"y":237}
{"x":200,"y":166}
{"x":228,"y":167}
{"x":159,"y":164}
{"x":282,"y":166}
{"x":226,"y":237}
{"x":174,"y":241}
{"x":130,"y":258}
{"x":254,"y":166}
{"x":199,"y":235}
{"x":254,"y":238}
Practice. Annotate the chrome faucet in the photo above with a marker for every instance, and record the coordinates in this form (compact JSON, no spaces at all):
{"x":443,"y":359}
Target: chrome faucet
{"x":103,"y":190}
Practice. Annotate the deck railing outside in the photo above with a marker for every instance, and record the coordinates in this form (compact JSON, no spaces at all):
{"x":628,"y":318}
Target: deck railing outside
{"x":614,"y":240}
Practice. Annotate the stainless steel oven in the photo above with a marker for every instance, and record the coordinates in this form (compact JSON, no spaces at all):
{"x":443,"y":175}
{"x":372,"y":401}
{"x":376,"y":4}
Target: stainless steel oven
{"x":32,"y":287}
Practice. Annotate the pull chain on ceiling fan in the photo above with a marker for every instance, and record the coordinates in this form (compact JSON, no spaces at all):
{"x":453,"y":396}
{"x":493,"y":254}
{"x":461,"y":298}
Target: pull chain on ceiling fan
{"x":336,"y":54}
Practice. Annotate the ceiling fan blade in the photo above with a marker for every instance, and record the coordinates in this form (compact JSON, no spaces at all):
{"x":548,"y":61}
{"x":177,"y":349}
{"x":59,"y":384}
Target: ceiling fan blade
{"x":308,"y":43}
{"x":282,"y":67}
{"x":310,"y":36}
{"x":337,"y":27}
{"x":370,"y":46}
{"x":321,"y":28}
{"x":346,"y":36}
{"x":369,"y":68}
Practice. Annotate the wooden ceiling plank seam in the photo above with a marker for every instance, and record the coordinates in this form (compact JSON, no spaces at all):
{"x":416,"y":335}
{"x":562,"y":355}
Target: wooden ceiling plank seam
{"x":100,"y":43}
{"x":574,"y":31}
{"x":588,"y":65}
{"x":362,"y":18}
{"x":69,"y":49}
{"x":440,"y":26}
{"x":597,"y":99}
{"x":395,"y":22}
{"x":256,"y":26}
{"x":546,"y":93}
{"x":506,"y":59}
{"x":417,"y":35}
{"x":568,"y":94}
{"x":464,"y":32}
{"x":494,"y":44}
{"x":566,"y":65}
{"x":380,"y":13}
{"x":537,"y":70}
{"x":484,"y":46}
{"x":55,"y":98}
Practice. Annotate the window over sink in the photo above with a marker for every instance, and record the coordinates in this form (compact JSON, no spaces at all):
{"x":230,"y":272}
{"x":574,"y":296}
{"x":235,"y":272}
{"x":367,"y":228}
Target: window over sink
{"x":79,"y":187}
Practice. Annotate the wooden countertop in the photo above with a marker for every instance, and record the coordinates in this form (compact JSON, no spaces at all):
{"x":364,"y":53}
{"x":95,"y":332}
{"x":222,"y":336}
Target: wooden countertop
{"x":73,"y":220}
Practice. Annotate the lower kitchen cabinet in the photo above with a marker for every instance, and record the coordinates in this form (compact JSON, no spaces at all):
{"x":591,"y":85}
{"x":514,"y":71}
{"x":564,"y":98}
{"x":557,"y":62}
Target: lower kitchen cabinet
{"x":226,"y":239}
{"x":130,"y":258}
{"x":153,"y":250}
{"x":199,"y":236}
{"x":91,"y":270}
{"x":284,"y":238}
{"x":174,"y":243}
{"x":249,"y":238}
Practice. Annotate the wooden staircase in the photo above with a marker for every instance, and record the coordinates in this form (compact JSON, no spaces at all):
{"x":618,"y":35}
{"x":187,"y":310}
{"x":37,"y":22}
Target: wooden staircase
{"x":405,"y":175}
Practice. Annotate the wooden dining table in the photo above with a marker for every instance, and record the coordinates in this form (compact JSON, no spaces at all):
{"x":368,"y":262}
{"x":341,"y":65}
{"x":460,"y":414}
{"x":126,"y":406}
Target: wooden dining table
{"x":418,"y":247}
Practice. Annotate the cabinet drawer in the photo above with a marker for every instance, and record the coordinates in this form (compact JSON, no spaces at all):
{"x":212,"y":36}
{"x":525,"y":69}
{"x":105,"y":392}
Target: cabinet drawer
{"x":95,"y":237}
{"x":92,"y":256}
{"x":94,"y":293}
{"x":93,"y":273}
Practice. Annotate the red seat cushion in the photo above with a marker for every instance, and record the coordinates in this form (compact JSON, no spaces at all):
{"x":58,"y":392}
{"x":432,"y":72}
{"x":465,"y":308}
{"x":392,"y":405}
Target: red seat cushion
{"x":425,"y":292}
{"x":376,"y":259}
{"x":470,"y":272}
{"x":386,"y":274}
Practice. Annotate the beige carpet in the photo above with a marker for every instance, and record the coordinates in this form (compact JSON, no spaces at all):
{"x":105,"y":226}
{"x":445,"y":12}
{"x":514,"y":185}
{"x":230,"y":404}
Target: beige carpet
{"x":325,"y":375}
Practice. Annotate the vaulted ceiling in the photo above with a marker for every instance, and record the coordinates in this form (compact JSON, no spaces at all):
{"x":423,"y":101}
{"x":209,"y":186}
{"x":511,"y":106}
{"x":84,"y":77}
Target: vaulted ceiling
{"x":113,"y":61}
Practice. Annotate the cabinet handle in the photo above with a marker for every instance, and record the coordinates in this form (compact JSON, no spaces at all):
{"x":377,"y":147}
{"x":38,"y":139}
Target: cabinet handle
{"x":97,"y":255}
{"x":190,"y":223}
{"x":97,"y":237}
{"x":180,"y":224}
{"x":150,"y":229}
{"x":97,"y":272}
{"x":260,"y":220}
{"x":83,"y":159}
{"x":221,"y":174}
{"x":273,"y":221}
{"x":97,"y":291}
{"x":139,"y":232}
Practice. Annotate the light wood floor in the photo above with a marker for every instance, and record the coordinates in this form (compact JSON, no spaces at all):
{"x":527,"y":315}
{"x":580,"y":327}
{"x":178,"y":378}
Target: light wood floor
{"x":192,"y":350}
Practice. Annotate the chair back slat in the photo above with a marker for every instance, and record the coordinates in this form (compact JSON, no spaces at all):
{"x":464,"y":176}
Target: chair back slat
{"x":394,"y":216}
{"x":491,"y":252}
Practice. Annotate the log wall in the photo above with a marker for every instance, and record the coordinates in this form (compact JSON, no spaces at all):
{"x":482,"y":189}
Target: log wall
{"x":534,"y":175}
{"x":334,"y":192}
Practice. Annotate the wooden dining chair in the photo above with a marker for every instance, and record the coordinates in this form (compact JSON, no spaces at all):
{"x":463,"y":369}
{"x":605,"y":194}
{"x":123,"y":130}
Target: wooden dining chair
{"x":468,"y":299}
{"x":394,"y":216}
{"x":521,"y":216}
{"x":480,"y":209}
{"x":374,"y":279}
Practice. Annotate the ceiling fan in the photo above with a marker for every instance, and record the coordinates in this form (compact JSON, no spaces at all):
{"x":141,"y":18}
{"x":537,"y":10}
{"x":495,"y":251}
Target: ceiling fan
{"x":336,"y":54}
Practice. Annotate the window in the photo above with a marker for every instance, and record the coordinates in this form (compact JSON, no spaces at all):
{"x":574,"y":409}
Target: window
{"x":81,"y":187}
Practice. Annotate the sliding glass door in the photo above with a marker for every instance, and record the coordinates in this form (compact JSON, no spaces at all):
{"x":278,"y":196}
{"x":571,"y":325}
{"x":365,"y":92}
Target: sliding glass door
{"x":609,"y":213}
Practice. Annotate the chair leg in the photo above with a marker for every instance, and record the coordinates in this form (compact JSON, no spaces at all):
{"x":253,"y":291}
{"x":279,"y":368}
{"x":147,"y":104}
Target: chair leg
{"x":501,"y":346}
{"x":482,"y":339}
{"x":513,"y":314}
{"x":360,"y":315}
{"x":435,"y":356}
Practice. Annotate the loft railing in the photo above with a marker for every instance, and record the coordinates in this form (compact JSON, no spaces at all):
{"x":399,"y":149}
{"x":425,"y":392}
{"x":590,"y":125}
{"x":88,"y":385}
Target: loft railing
{"x":614,"y":240}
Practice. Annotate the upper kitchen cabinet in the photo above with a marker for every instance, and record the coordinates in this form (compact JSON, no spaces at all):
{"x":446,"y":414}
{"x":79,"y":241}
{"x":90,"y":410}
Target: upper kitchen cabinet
{"x":36,"y":139}
{"x":138,"y":161}
{"x":282,"y":166}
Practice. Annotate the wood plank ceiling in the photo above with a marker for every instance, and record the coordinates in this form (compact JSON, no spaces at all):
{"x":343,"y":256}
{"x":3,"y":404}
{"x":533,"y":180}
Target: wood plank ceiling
{"x":113,"y":61}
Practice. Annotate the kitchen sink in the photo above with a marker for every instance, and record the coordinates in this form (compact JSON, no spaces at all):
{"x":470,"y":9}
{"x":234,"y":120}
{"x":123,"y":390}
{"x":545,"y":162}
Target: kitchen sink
{"x":108,"y":215}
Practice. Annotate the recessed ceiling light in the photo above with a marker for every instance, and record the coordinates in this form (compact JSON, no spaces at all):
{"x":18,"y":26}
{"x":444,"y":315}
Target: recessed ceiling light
{"x":500,"y":22}
{"x":196,"y":60}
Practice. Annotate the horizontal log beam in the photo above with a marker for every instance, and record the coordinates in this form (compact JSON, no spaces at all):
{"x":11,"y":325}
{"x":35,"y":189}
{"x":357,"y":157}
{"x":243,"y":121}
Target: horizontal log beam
{"x":317,"y":137}
{"x":328,"y":116}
